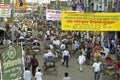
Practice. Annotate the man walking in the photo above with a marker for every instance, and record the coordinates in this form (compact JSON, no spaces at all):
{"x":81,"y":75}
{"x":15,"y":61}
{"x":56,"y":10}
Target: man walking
{"x":96,"y":68}
{"x":38,"y":75}
{"x":81,"y":60}
{"x":34,"y":63}
{"x":65,"y":57}
{"x":27,"y":74}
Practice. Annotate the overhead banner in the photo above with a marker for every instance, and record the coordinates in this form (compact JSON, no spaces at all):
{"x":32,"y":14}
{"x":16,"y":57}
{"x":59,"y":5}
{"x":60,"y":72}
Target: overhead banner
{"x":11,"y":64}
{"x":20,"y":5}
{"x":5,"y":10}
{"x":90,"y":21}
{"x":53,"y":14}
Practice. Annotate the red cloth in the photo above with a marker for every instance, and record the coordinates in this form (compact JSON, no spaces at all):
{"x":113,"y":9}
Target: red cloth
{"x":117,"y":65}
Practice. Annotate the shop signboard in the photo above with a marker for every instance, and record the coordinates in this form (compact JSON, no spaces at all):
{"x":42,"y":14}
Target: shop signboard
{"x":11,"y":63}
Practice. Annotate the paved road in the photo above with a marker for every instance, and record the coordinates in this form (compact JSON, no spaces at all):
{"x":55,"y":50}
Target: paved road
{"x":73,"y":70}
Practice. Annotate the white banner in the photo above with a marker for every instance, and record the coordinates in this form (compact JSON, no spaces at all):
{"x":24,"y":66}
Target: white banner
{"x":5,"y":10}
{"x":53,"y":14}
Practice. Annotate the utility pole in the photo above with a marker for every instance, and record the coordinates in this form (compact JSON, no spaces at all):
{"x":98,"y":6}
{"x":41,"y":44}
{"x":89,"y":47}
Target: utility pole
{"x":13,"y":11}
{"x":32,"y":7}
{"x":57,"y":8}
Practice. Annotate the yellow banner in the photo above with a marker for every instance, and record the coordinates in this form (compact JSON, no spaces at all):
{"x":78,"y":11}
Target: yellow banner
{"x":90,"y":21}
{"x":20,"y":5}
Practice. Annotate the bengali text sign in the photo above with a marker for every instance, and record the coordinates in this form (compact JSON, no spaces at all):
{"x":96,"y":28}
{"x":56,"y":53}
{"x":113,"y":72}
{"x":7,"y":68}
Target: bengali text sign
{"x":12,"y":64}
{"x":90,"y":21}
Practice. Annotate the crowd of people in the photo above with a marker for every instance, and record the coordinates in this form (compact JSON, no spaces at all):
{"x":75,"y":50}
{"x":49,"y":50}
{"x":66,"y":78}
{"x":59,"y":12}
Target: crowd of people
{"x":88,"y":47}
{"x":88,"y":52}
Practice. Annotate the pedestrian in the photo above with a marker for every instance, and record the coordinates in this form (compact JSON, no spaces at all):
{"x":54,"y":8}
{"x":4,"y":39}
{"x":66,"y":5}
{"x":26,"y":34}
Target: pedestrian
{"x":66,"y":76}
{"x":28,"y":58}
{"x":34,"y":63}
{"x":76,"y":46}
{"x":88,"y":55}
{"x":81,"y":60}
{"x":96,"y":68}
{"x":84,"y":50}
{"x":38,"y":75}
{"x":27,"y":74}
{"x":65,"y":57}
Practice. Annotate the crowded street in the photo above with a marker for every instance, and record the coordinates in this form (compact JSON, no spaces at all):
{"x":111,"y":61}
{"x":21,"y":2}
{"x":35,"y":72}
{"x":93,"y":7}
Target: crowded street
{"x":59,"y":40}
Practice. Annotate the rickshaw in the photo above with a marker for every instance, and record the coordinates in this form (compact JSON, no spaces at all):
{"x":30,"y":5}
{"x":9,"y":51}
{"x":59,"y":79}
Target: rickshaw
{"x":36,"y":47}
{"x":109,"y":63}
{"x":29,"y":33}
{"x":49,"y":64}
{"x":21,"y":40}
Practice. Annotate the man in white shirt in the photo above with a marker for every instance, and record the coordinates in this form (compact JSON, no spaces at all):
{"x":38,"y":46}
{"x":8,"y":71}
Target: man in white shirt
{"x":48,"y":32}
{"x":65,"y":57}
{"x":27,"y":74}
{"x":81,"y":60}
{"x":63,"y":46}
{"x":96,"y":67}
{"x":57,"y":44}
{"x":38,"y":75}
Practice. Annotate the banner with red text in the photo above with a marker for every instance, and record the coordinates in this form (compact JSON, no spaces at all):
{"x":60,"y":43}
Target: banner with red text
{"x":5,"y":10}
{"x":90,"y":21}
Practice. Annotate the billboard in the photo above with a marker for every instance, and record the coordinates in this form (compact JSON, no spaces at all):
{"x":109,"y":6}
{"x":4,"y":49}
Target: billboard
{"x":20,"y":5}
{"x":11,"y":63}
{"x":81,"y":21}
{"x":53,"y":14}
{"x":5,"y":10}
